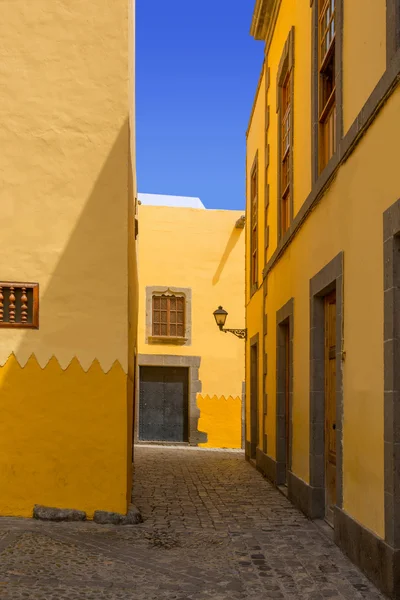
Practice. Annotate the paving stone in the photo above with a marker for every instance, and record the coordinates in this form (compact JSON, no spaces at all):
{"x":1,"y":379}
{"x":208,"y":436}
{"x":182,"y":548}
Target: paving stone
{"x":212,"y":528}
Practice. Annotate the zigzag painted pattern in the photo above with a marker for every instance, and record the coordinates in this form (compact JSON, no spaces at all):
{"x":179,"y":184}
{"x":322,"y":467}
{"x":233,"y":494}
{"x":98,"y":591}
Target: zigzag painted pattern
{"x":94,"y":364}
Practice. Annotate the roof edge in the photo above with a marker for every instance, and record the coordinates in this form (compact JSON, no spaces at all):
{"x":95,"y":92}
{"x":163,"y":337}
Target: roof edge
{"x":261,"y":19}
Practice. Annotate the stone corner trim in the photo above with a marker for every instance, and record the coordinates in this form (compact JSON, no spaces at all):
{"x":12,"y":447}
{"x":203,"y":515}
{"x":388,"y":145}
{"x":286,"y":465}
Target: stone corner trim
{"x":50,"y":513}
{"x":132,"y":517}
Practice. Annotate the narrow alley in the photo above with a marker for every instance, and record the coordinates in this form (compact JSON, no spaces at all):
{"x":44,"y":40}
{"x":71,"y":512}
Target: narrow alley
{"x":213,"y":528}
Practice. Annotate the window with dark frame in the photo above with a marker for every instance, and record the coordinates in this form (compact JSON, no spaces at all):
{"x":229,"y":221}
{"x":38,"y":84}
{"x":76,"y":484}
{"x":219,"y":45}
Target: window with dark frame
{"x":327,"y":80}
{"x":19,"y":305}
{"x":168,"y":316}
{"x":253,"y":224}
{"x":286,"y":149}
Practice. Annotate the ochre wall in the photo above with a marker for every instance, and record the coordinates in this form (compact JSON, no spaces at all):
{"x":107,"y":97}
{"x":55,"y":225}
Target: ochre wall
{"x":67,"y":123}
{"x":59,"y":439}
{"x":254,"y":299}
{"x":254,"y":324}
{"x":201,"y":250}
{"x":221,"y":419}
{"x":341,"y":222}
{"x":364,"y":49}
{"x":349,"y":219}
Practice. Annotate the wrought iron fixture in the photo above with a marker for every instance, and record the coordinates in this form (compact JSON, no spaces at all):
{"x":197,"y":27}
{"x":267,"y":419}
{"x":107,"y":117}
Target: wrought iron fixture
{"x":220,"y":318}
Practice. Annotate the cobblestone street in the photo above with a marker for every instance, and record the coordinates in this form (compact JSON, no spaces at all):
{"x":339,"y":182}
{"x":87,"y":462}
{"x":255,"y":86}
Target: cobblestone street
{"x":213,"y":528}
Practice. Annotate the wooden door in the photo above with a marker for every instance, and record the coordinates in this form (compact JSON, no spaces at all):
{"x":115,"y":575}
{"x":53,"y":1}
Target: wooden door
{"x":287,"y":400}
{"x":330,"y":404}
{"x":253,"y":400}
{"x":163,"y":404}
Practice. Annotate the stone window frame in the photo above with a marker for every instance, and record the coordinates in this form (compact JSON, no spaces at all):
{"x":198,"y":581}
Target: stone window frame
{"x":329,"y":278}
{"x":392,"y":29}
{"x":391,"y":345}
{"x":284,"y":318}
{"x":192,"y":363}
{"x":286,"y":65}
{"x":179,"y":291}
{"x":315,"y":154}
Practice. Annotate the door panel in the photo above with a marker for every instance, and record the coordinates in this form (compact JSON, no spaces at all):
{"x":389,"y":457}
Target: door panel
{"x":287,"y":399}
{"x":163,"y":407}
{"x":330,"y":403}
{"x":254,"y":400}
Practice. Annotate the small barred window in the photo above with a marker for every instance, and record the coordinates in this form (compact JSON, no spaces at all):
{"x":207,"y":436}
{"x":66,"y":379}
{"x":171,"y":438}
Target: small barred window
{"x":19,"y":305}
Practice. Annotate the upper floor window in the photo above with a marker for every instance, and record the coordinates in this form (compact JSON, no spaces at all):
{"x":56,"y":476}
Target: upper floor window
{"x":168,"y":316}
{"x":254,"y":223}
{"x":285,"y":124}
{"x":286,"y":107}
{"x":327,"y":80}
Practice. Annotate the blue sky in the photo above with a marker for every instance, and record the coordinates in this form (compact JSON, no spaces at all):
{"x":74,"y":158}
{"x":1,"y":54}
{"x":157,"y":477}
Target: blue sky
{"x":196,"y":74}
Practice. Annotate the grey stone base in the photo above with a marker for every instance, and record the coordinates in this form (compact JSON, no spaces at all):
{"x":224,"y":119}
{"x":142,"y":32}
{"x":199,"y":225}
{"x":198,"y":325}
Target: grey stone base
{"x":310,"y":500}
{"x":379,"y":561}
{"x":133,"y":517}
{"x":267,"y":466}
{"x":247,"y":450}
{"x":49,"y":513}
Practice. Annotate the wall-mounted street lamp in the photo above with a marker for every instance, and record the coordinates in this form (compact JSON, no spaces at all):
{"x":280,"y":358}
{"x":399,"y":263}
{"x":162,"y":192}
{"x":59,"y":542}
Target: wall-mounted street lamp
{"x":220,"y":317}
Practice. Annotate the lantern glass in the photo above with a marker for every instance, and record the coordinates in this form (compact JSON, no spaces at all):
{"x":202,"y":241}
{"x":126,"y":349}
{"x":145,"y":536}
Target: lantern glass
{"x":220,"y":316}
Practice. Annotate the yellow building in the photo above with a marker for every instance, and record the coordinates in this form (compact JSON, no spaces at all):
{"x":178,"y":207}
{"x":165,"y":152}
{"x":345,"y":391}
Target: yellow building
{"x":322,"y":264}
{"x":191,"y":375}
{"x":67,"y":290}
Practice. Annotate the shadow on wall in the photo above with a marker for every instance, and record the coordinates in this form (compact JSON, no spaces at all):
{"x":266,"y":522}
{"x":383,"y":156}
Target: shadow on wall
{"x":233,"y":240}
{"x":61,"y":440}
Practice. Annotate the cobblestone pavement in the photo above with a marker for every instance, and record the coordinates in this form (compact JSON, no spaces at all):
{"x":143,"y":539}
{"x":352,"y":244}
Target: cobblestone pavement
{"x":213,"y":529}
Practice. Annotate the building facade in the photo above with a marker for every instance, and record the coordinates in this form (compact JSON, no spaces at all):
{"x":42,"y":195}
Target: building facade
{"x":68,"y":291}
{"x":190,"y":375}
{"x":322,"y":252}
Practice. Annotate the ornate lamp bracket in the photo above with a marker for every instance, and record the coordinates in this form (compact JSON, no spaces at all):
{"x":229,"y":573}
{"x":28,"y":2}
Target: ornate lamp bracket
{"x":240,"y":333}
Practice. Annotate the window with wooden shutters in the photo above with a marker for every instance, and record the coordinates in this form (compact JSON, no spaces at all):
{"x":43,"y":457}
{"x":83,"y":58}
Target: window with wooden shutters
{"x":286,"y":149}
{"x":284,"y":107}
{"x":327,"y":80}
{"x":253,"y":224}
{"x":19,"y":305}
{"x":168,"y":316}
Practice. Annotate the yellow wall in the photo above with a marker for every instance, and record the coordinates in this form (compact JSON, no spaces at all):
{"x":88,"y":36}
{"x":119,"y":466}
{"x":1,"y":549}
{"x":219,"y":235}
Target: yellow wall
{"x":67,"y":123}
{"x":221,"y":419}
{"x":202,"y":250}
{"x":341,"y":222}
{"x":364,"y":49}
{"x":254,"y":303}
{"x":349,"y":219}
{"x":72,"y":439}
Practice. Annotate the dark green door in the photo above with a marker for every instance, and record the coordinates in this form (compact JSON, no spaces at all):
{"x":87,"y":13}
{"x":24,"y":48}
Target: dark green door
{"x":163,"y":404}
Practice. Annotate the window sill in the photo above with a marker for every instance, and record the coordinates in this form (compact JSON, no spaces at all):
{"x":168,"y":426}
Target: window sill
{"x":175,"y":341}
